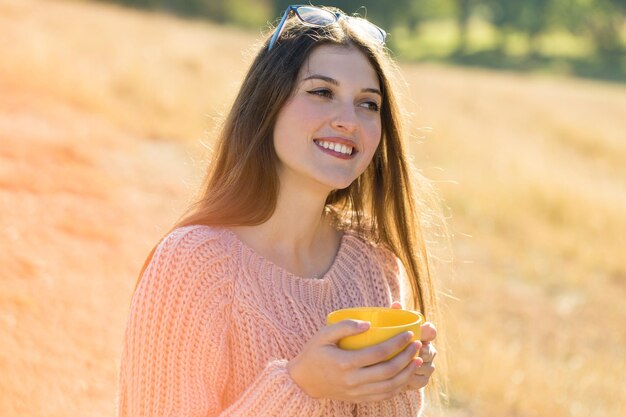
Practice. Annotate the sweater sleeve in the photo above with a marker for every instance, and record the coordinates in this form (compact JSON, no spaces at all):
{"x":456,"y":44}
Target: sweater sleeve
{"x":175,"y":358}
{"x":407,"y":404}
{"x":274,"y":393}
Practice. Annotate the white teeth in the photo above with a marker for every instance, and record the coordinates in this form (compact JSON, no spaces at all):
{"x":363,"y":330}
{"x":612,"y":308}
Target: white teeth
{"x":336,"y":147}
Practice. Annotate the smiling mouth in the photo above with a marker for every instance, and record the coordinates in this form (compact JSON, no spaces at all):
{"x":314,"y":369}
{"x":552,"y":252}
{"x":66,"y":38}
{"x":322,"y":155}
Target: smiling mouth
{"x":336,"y":149}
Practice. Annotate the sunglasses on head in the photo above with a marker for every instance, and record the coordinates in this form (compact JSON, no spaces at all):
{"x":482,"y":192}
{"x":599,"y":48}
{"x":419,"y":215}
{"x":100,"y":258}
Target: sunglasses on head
{"x":316,"y":16}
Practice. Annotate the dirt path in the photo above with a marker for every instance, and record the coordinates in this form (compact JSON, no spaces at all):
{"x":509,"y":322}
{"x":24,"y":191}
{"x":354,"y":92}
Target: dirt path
{"x":80,"y":203}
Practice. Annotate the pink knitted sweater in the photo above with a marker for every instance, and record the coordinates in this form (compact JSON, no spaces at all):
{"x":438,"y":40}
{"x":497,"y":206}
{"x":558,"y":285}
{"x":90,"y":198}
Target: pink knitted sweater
{"x":212,"y":325}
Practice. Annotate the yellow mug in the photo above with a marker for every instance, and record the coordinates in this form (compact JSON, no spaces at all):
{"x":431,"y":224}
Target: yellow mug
{"x":385,"y":323}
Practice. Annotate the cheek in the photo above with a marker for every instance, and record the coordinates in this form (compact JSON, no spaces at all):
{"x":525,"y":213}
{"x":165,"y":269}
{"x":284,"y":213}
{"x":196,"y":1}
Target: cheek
{"x":295,"y":119}
{"x":307,"y":115}
{"x":373,"y":136}
{"x":372,"y":141}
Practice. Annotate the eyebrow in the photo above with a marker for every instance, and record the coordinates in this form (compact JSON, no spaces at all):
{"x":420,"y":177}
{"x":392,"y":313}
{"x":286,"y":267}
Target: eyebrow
{"x":335,"y":82}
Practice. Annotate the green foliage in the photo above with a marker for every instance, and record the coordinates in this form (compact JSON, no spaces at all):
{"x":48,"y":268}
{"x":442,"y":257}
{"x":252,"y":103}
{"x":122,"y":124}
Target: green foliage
{"x":524,"y":28}
{"x":249,"y":13}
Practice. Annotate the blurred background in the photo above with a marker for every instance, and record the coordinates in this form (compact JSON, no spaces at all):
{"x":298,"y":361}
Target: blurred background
{"x":517,"y":112}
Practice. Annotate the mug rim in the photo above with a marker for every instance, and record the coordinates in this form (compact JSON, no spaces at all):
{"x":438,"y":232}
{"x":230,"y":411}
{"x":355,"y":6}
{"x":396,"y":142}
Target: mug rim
{"x":418,"y":316}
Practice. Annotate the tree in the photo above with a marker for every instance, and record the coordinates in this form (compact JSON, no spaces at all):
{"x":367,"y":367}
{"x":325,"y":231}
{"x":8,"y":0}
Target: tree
{"x":463,"y":8}
{"x":529,"y":17}
{"x":600,"y":20}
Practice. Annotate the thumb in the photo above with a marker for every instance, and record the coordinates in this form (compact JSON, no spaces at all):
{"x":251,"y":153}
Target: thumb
{"x":337,"y":331}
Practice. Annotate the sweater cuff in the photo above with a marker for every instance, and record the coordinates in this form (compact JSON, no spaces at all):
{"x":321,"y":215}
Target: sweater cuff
{"x":278,"y":369}
{"x":408,"y":403}
{"x":274,"y":393}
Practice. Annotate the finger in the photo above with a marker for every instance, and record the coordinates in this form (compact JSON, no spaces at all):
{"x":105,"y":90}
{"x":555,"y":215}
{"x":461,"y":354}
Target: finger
{"x":428,"y":352}
{"x":426,"y":369}
{"x":335,"y":332}
{"x":417,"y":382}
{"x":392,"y":386}
{"x":388,"y":369}
{"x":429,"y":332}
{"x":381,"y":351}
{"x":396,"y":304}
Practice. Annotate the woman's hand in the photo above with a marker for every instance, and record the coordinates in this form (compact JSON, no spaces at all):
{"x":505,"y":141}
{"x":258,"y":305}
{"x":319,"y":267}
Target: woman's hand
{"x":427,"y":353}
{"x":323,"y":370}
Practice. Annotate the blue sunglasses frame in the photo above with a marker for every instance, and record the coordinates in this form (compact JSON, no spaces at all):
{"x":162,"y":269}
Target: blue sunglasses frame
{"x":376,"y":32}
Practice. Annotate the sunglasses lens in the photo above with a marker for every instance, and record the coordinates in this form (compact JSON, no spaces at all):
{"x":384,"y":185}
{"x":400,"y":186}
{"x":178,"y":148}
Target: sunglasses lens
{"x":369,"y":28}
{"x":315,"y":16}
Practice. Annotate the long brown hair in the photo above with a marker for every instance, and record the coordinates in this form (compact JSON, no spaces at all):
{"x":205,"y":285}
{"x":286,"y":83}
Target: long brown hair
{"x":381,"y":204}
{"x":390,"y":203}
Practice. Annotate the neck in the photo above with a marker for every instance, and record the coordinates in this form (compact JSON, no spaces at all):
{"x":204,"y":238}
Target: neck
{"x":298,"y":221}
{"x":298,"y":235}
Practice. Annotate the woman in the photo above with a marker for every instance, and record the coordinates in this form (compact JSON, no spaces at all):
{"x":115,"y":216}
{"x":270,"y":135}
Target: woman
{"x":307,"y":208}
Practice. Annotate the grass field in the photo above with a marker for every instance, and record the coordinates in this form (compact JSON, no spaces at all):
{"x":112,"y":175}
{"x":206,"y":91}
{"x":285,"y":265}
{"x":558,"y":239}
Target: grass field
{"x":556,"y":52}
{"x":104,"y":118}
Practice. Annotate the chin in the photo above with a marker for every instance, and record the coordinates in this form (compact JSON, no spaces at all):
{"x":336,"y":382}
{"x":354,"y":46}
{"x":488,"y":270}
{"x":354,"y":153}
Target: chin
{"x":337,"y":184}
{"x":334,"y":180}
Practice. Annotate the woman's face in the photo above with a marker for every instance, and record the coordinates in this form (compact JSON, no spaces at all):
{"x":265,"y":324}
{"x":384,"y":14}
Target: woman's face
{"x":327,"y":132}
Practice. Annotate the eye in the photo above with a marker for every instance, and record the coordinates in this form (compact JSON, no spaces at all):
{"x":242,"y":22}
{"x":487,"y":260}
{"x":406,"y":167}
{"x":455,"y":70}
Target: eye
{"x":370,"y":105}
{"x":322,"y":92}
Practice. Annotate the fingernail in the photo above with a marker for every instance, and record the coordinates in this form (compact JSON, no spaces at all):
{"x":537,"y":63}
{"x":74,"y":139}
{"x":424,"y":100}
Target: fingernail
{"x":409,"y":336}
{"x":364,"y":325}
{"x":418,"y":345}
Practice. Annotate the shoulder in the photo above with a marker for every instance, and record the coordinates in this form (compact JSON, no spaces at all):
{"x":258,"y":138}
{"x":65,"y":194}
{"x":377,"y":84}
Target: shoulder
{"x":189,"y":257}
{"x":384,"y":263}
{"x":373,"y":254}
{"x":191,"y":235}
{"x":193,"y":241}
{"x":374,"y":251}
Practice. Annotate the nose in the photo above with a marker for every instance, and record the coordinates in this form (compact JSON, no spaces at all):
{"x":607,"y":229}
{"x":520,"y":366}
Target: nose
{"x":345,"y":119}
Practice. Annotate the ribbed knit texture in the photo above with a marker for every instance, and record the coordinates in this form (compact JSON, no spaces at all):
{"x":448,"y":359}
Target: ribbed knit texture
{"x":213,"y":324}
